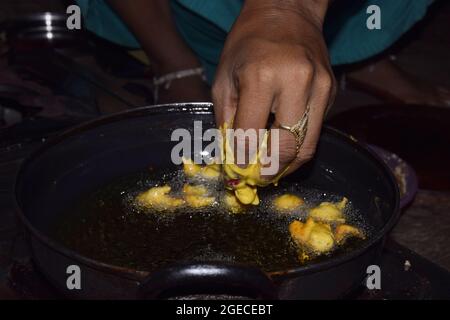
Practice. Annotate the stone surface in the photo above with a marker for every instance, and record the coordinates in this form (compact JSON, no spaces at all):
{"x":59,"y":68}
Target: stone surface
{"x":425,"y":227}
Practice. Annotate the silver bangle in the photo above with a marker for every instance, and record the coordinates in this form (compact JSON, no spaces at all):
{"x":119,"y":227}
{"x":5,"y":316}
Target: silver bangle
{"x":166,"y":80}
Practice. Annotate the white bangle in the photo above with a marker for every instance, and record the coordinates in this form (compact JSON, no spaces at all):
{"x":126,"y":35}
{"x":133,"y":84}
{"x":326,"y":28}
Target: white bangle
{"x":166,"y":80}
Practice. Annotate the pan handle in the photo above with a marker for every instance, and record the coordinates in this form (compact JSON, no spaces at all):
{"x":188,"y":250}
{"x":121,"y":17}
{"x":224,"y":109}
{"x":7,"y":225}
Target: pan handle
{"x":208,"y":278}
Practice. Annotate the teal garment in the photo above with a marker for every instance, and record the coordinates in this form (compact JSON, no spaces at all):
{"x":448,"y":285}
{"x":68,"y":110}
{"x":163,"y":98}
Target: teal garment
{"x":204,"y":24}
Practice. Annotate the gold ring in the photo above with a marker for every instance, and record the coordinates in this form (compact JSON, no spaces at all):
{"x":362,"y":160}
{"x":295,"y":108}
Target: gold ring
{"x":299,"y":129}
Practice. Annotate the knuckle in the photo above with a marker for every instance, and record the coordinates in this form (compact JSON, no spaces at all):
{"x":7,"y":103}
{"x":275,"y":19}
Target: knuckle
{"x":326,"y":80}
{"x":324,"y":75}
{"x":305,"y":68}
{"x":260,"y":72}
{"x":300,"y":70}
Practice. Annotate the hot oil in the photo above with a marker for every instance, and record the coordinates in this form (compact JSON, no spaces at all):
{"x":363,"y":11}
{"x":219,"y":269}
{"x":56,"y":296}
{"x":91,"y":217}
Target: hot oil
{"x":108,"y":226}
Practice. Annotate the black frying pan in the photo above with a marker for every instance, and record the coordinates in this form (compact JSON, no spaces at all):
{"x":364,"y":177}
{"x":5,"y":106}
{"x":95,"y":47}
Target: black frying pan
{"x":86,"y":157}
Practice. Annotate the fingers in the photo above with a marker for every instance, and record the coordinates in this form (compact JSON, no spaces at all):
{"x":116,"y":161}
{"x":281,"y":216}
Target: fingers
{"x":287,"y":90}
{"x":255,"y":90}
{"x":224,"y":97}
{"x":297,"y":89}
{"x":321,"y":96}
{"x":256,"y":96}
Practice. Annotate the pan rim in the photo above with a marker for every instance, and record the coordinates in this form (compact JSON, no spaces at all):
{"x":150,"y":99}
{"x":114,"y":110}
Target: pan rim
{"x":197,"y":108}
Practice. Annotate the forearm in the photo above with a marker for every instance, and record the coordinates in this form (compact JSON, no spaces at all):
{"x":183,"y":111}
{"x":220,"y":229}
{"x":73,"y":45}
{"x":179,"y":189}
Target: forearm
{"x":152,"y":23}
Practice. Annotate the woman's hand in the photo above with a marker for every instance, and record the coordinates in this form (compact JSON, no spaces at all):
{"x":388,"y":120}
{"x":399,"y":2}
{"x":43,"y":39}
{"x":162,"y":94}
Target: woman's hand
{"x":275,"y":60}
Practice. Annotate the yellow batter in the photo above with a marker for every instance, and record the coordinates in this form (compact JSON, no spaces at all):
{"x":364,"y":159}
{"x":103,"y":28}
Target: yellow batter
{"x":244,"y":181}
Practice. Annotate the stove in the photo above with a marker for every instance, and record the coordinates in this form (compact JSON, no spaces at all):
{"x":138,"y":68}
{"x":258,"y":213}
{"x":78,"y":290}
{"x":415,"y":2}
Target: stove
{"x":49,"y":83}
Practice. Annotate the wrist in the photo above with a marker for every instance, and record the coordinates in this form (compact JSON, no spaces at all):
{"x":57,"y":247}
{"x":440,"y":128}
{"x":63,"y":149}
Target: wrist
{"x":163,"y":69}
{"x":171,"y":64}
{"x":165,"y":81}
{"x":312,"y":9}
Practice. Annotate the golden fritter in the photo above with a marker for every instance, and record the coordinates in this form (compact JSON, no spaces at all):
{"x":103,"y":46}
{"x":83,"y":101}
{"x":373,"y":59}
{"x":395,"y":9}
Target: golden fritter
{"x":329,"y":212}
{"x":316,"y":236}
{"x":197,"y":190}
{"x":232,"y":203}
{"x":345,"y":231}
{"x":158,"y":198}
{"x":191,"y":169}
{"x":287,"y":202}
{"x":197,"y":196}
